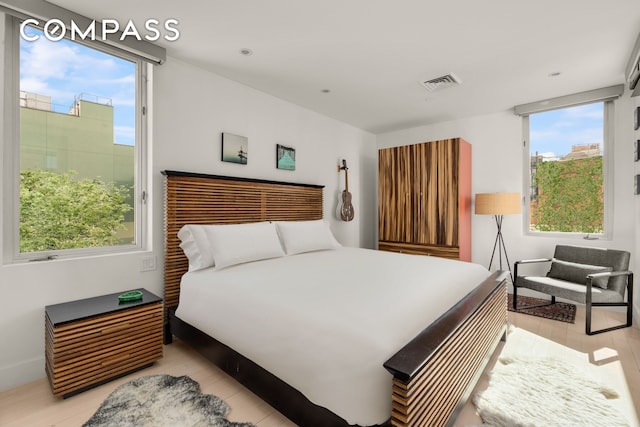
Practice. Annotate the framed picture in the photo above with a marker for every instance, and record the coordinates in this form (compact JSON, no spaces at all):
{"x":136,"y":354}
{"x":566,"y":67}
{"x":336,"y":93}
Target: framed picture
{"x":285,"y":158}
{"x":636,"y":151}
{"x":636,"y":119}
{"x":235,"y":148}
{"x":636,"y":185}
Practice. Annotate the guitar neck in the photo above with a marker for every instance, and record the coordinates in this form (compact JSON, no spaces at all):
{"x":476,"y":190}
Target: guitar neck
{"x":346,"y":180}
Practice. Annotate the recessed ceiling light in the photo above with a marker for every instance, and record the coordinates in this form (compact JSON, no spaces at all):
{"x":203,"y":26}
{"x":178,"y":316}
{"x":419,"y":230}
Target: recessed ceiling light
{"x":555,"y":74}
{"x":246,"y":52}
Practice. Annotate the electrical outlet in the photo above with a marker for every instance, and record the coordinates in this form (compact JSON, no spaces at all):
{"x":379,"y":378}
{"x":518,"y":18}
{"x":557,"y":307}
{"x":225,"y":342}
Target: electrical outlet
{"x":148,"y":263}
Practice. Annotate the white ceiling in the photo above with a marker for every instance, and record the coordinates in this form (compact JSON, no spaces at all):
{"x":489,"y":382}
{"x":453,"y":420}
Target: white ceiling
{"x":372,"y":54}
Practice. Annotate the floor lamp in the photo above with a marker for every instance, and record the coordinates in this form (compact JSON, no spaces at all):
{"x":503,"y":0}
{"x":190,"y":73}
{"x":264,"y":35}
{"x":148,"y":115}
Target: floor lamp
{"x":498,"y":205}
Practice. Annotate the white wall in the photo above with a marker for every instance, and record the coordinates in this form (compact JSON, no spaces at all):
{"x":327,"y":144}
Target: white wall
{"x":191,"y":108}
{"x":203,"y":105}
{"x":496,"y":141}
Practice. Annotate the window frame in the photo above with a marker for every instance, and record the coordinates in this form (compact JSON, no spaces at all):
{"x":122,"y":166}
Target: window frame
{"x":608,"y":141}
{"x":11,"y":155}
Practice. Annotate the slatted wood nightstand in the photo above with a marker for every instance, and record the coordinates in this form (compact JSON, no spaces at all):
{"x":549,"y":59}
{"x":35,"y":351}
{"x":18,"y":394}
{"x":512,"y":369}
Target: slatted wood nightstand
{"x":91,"y":341}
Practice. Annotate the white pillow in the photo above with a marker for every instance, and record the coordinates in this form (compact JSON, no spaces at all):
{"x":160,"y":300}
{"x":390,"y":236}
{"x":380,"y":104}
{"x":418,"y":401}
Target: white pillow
{"x":195,"y":244}
{"x":239,"y":243}
{"x":306,"y":236}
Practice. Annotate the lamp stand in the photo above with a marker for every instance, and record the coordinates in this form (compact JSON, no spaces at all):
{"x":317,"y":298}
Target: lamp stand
{"x":499,"y":243}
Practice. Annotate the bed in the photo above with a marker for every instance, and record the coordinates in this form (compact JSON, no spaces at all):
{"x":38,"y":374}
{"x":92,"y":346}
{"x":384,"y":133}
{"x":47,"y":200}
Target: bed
{"x":434,"y":363}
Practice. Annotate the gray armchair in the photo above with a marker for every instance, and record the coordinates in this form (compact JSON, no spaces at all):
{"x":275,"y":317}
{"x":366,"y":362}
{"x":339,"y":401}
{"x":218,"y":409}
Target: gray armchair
{"x":591,"y":276}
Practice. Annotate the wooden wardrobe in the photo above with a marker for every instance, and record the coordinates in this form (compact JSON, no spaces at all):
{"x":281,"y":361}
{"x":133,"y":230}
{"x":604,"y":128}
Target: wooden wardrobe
{"x":424,"y":199}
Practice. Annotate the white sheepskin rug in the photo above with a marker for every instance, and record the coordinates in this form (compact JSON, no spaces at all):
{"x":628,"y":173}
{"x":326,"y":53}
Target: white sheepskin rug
{"x":545,"y":392}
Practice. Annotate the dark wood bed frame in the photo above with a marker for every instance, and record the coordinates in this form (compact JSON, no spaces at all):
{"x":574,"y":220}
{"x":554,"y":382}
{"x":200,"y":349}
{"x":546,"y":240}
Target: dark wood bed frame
{"x":433,"y":375}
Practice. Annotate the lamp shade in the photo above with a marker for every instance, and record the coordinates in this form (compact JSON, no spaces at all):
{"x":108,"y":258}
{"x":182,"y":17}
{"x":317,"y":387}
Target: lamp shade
{"x":498,"y":203}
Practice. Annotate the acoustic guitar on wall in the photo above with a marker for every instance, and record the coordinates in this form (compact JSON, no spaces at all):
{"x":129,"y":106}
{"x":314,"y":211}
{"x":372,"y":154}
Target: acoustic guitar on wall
{"x":345,"y":207}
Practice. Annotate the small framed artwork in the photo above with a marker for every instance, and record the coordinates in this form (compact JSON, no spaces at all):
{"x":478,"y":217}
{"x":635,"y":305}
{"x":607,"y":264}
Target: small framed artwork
{"x":636,"y":151}
{"x":235,"y":148}
{"x":285,"y":158}
{"x":636,"y":185}
{"x":636,"y":119}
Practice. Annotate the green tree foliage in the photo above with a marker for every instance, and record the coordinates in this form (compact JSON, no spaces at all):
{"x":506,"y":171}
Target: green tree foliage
{"x":570,"y":196}
{"x":58,"y":211}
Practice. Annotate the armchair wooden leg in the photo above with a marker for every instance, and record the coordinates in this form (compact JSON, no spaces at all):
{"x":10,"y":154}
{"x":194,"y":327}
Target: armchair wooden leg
{"x":552,"y":302}
{"x":628,"y":304}
{"x":515,"y":293}
{"x":613,"y":328}
{"x":515,"y":302}
{"x":630,"y":300}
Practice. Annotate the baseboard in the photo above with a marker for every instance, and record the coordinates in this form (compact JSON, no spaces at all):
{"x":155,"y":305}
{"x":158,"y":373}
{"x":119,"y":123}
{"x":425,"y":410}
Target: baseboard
{"x":21,"y":373}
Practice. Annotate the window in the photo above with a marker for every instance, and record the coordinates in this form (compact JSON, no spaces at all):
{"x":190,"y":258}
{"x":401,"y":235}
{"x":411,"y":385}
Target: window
{"x":78,"y":147}
{"x":567,"y":146}
{"x":567,"y":180}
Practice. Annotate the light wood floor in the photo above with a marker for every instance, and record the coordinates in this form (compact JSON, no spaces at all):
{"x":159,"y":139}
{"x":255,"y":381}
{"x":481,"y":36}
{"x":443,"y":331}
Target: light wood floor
{"x":619,"y":351}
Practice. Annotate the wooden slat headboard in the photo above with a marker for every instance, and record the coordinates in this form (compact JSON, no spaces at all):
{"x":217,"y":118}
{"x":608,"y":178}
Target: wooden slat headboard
{"x":192,"y":198}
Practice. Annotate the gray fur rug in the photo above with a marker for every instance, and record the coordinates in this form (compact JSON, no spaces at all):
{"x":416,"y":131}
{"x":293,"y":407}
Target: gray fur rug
{"x":162,"y":400}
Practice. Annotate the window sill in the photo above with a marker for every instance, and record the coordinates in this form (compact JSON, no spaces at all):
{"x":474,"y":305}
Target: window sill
{"x":573,"y":236}
{"x":73,"y":254}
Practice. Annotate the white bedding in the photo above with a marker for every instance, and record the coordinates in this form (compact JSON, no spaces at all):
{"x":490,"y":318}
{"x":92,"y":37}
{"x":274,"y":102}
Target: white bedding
{"x":325,"y":322}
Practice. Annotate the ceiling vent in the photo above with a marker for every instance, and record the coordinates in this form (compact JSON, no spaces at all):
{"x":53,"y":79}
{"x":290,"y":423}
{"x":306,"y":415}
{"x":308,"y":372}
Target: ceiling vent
{"x":441,"y":82}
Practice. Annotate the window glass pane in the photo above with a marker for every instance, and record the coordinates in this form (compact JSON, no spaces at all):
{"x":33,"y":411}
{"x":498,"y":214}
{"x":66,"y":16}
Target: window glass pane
{"x":566,"y":166}
{"x":77,"y":146}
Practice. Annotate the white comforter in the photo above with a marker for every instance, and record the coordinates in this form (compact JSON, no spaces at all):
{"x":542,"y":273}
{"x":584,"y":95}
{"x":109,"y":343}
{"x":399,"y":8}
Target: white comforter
{"x":325,"y":322}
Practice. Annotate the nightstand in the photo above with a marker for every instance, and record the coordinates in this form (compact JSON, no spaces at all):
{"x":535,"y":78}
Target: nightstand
{"x":91,"y":341}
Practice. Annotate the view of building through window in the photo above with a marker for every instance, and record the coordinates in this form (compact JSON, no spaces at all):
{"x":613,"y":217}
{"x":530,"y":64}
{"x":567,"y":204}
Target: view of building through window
{"x":566,"y":170}
{"x":77,"y":142}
